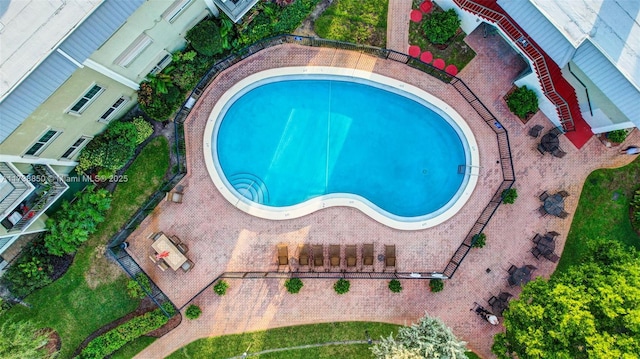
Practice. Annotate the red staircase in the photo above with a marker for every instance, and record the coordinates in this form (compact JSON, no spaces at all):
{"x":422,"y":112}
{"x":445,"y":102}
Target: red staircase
{"x":554,"y":85}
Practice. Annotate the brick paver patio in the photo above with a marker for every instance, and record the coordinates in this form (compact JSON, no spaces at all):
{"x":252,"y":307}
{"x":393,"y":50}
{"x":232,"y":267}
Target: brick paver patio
{"x":222,"y":238}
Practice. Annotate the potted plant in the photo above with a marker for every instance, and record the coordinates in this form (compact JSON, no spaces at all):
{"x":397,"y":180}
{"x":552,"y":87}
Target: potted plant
{"x":293,"y":285}
{"x":395,"y":286}
{"x":479,"y":240}
{"x":436,"y":285}
{"x":341,"y":286}
{"x":509,"y":195}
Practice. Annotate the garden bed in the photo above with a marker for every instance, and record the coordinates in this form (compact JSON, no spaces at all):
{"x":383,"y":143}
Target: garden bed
{"x":506,"y":97}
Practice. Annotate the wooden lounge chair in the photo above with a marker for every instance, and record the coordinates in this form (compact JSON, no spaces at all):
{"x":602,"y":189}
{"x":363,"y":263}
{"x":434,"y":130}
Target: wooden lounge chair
{"x":334,"y":255}
{"x":563,"y":214}
{"x":541,"y":149}
{"x":535,"y":131}
{"x":390,"y":256}
{"x":543,"y":196}
{"x":543,"y":212}
{"x":350,"y":253}
{"x":187,"y":266}
{"x":564,"y":194}
{"x":558,"y":152}
{"x":367,"y":254}
{"x":303,"y":254}
{"x":283,"y":254}
{"x":536,"y":252}
{"x":318,"y":255}
{"x":512,"y":269}
{"x":552,"y":257}
{"x":163,"y":265}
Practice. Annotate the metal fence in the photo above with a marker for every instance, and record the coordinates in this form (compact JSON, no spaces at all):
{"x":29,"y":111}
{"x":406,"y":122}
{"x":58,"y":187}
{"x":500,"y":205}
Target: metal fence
{"x":132,"y":268}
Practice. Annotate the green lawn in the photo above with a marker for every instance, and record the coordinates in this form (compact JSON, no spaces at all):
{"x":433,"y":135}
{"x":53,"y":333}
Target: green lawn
{"x":599,"y":214}
{"x":130,"y":350}
{"x":92,"y":292}
{"x":357,"y":21}
{"x":232,"y":345}
{"x":457,"y":53}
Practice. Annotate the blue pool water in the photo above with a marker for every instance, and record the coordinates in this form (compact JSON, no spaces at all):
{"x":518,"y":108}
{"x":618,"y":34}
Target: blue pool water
{"x":285,"y":142}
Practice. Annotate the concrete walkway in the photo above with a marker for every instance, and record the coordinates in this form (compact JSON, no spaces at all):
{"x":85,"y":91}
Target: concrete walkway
{"x":398,"y":25}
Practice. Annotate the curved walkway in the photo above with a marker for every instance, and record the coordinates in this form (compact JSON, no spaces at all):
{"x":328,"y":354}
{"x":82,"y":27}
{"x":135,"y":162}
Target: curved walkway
{"x":222,"y":238}
{"x":346,"y":342}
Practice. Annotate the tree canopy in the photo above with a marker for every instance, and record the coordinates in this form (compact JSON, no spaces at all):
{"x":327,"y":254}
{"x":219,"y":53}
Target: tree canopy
{"x":428,"y":338}
{"x":591,"y":311}
{"x":20,"y":340}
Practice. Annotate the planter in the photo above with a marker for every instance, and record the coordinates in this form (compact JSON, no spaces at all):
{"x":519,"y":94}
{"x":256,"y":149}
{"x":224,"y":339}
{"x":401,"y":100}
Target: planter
{"x":506,"y":97}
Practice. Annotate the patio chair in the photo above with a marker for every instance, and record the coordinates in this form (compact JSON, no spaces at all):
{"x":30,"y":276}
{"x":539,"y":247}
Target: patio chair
{"x":556,"y":131}
{"x":318,"y":255}
{"x":558,"y":152}
{"x":512,"y":269}
{"x":283,"y":254}
{"x":153,"y":258}
{"x":187,"y":266}
{"x":543,"y":212}
{"x":390,"y":256}
{"x":182,"y":248}
{"x":541,"y":149}
{"x":173,"y":196}
{"x":535,"y":131}
{"x":504,"y":296}
{"x":163,"y":265}
{"x":350,"y":253}
{"x":492,"y":300}
{"x":334,"y":255}
{"x":536,"y":239}
{"x":564,"y":194}
{"x":563,"y":215}
{"x":175,"y":240}
{"x":303,"y":254}
{"x":552,"y":257}
{"x":536,"y":252}
{"x":543,"y":196}
{"x":367,"y":254}
{"x":553,"y":234}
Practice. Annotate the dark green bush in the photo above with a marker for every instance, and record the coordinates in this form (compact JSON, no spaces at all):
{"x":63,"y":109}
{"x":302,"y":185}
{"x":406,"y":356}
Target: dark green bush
{"x":135,"y":289}
{"x":395,"y":286}
{"x":116,"y":338}
{"x":160,"y":106}
{"x":71,"y":225}
{"x":342,"y":286}
{"x":480,"y":240}
{"x":436,"y":285}
{"x":522,"y":102}
{"x":27,"y":274}
{"x":206,"y":38}
{"x":274,"y":20}
{"x":617,"y":136}
{"x":509,"y":195}
{"x":189,"y":70}
{"x":293,"y":285}
{"x":193,"y":312}
{"x":221,"y":287}
{"x":635,"y":210}
{"x":440,"y":26}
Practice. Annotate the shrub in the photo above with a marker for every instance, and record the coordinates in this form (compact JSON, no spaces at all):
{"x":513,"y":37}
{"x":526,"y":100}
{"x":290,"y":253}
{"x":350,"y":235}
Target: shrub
{"x":635,"y":210}
{"x":479,"y":240}
{"x":436,"y":285}
{"x":293,"y":285}
{"x":617,"y":136}
{"x":342,"y":286}
{"x":27,"y":274}
{"x":522,"y":102}
{"x":221,"y":287}
{"x":135,"y":288}
{"x":395,"y":286}
{"x":143,"y":129}
{"x":116,"y":338}
{"x":193,"y":312}
{"x":274,"y":20}
{"x":206,"y":38}
{"x":509,"y":195}
{"x":160,"y":105}
{"x":440,"y":26}
{"x":71,"y":225}
{"x":111,"y":150}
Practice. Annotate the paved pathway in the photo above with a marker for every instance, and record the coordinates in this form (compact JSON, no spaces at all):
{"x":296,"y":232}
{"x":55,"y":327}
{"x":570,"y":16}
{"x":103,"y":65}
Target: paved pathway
{"x":222,"y":238}
{"x":398,"y":25}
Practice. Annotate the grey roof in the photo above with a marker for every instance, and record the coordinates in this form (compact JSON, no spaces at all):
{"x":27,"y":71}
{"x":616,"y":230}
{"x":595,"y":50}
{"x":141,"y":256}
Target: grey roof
{"x":609,"y":80}
{"x":56,"y":69}
{"x":540,"y":29}
{"x":235,"y":9}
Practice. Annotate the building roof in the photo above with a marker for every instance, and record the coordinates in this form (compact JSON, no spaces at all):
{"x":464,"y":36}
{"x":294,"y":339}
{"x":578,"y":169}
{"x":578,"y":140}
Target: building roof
{"x":235,"y":9}
{"x":41,"y":81}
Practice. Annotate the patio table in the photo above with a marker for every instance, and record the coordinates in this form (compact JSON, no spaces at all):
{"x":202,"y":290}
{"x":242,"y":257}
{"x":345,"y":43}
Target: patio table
{"x":175,"y":258}
{"x":546,"y":245}
{"x":554,"y":205}
{"x":550,"y":142}
{"x":521,"y":275}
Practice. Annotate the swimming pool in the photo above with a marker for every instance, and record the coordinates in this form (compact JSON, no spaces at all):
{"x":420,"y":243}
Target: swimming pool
{"x":284,"y":143}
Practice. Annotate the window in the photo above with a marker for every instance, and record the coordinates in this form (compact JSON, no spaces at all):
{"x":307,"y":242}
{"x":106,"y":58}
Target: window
{"x":86,"y":99}
{"x":41,"y":144}
{"x":175,"y":10}
{"x":164,"y":62}
{"x":73,"y":150}
{"x":108,"y":114}
{"x":130,"y":53}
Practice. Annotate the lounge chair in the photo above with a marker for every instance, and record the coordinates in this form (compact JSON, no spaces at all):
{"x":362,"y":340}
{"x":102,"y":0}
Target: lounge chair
{"x":564,"y":194}
{"x":334,"y":255}
{"x":552,"y":257}
{"x":350,"y":253}
{"x":558,"y":152}
{"x":303,"y":254}
{"x":390,"y":256}
{"x":174,"y":197}
{"x":283,"y":254}
{"x":536,"y":252}
{"x":318,"y":255}
{"x":563,"y":214}
{"x":187,"y":266}
{"x":163,"y":265}
{"x":535,"y":131}
{"x":541,"y":149}
{"x":512,"y":269}
{"x":367,"y":254}
{"x":543,"y":196}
